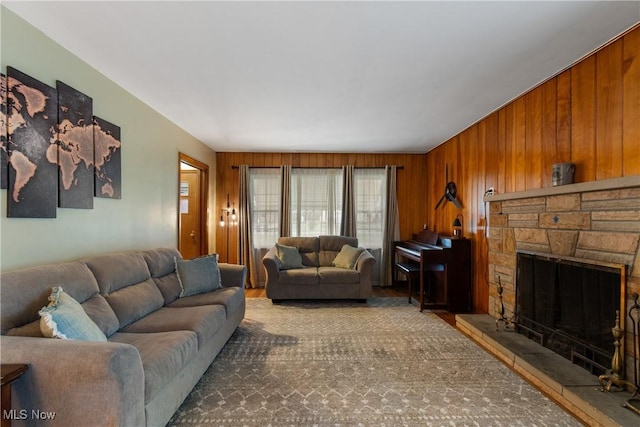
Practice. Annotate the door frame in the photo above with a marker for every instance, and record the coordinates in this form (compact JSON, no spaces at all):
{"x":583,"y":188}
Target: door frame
{"x":203,"y":178}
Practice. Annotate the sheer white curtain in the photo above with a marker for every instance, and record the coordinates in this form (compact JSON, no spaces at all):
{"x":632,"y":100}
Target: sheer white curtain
{"x":264,"y":196}
{"x":370,"y":199}
{"x":316,"y":201}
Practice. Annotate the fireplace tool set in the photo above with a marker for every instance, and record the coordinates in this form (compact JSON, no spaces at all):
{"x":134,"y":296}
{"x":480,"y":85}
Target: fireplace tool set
{"x":506,"y":321}
{"x":616,"y":362}
{"x":633,"y":403}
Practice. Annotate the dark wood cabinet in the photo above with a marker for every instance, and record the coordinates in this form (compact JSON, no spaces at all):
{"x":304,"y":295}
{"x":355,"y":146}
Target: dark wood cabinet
{"x":457,"y":283}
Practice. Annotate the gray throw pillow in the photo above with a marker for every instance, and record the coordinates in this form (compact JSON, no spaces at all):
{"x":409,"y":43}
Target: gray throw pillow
{"x":289,"y":257}
{"x":198,"y":275}
{"x":348,"y":257}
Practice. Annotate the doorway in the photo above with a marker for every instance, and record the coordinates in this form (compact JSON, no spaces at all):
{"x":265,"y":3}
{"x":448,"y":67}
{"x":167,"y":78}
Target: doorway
{"x":193,"y":189}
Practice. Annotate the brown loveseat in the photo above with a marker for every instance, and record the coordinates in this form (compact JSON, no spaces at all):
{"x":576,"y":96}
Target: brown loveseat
{"x":159,"y":339}
{"x":318,"y":277}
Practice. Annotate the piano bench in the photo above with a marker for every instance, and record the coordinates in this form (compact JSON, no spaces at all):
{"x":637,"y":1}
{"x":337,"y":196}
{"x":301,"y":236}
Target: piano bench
{"x":412,"y":271}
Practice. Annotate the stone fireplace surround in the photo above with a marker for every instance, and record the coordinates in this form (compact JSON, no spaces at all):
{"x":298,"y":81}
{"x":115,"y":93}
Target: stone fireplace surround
{"x":597,"y":220}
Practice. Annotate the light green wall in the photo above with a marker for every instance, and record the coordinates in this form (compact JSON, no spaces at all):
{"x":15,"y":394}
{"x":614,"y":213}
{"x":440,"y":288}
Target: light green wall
{"x":146,"y":216}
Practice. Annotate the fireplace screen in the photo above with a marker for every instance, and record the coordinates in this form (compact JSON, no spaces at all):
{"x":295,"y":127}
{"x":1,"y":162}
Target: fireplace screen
{"x":570,"y":305}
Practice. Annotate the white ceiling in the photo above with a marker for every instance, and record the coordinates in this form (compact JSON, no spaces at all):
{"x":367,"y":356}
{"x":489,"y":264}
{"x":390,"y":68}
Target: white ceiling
{"x":359,"y":76}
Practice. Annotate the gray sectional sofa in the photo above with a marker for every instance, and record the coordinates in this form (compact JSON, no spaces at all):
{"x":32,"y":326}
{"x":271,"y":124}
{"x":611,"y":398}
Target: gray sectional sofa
{"x":318,"y":277}
{"x":158,"y":343}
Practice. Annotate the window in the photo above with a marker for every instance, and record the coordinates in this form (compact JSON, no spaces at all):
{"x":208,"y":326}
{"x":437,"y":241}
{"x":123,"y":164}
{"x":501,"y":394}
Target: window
{"x":265,"y":206}
{"x":369,"y":189}
{"x":316,"y":202}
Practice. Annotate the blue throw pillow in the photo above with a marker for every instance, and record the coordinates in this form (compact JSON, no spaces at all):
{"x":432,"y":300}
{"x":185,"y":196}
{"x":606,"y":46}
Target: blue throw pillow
{"x":65,"y":318}
{"x":198,"y":275}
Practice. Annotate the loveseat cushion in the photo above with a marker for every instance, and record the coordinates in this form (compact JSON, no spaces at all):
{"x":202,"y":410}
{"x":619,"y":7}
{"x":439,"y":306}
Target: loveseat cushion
{"x":301,"y":276}
{"x":307,"y":246}
{"x":203,"y":320}
{"x":163,"y":355}
{"x":330,"y":247}
{"x":231,"y":298}
{"x":337,"y":275}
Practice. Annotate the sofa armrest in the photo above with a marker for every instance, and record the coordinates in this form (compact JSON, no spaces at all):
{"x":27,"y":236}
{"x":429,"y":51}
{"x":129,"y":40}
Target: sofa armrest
{"x":232,"y":275}
{"x":81,"y":383}
{"x":271,"y":266}
{"x":365,"y":267}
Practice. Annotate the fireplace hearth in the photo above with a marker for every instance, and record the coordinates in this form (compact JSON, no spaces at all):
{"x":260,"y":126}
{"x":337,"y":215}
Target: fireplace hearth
{"x":569,"y":305}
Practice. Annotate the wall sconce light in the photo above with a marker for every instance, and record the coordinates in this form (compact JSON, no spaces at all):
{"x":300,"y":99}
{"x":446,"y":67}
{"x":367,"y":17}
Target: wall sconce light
{"x":228,"y":218}
{"x":458,"y":226}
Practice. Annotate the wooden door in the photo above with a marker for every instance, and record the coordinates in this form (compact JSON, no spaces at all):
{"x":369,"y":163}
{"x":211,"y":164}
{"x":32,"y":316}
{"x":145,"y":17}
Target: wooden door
{"x":190,"y":238}
{"x":192,"y":208}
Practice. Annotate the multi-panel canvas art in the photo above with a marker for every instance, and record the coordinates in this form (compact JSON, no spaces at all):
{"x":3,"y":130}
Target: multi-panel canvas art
{"x":106,"y":139}
{"x":75,"y":148}
{"x":4,"y":173}
{"x":32,"y":113}
{"x":53,"y":151}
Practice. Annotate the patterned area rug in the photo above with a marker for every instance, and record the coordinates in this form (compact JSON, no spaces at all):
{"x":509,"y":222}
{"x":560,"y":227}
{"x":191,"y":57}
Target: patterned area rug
{"x":382,"y":363}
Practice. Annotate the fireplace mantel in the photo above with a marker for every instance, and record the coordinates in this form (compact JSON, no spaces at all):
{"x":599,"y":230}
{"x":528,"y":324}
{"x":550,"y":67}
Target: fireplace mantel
{"x":582,"y":187}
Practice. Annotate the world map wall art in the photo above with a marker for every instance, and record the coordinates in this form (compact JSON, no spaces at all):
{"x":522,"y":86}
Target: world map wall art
{"x":54,"y":152}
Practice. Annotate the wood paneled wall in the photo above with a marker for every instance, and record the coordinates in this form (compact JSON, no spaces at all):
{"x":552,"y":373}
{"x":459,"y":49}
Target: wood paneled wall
{"x":412,"y":178}
{"x":588,"y":115}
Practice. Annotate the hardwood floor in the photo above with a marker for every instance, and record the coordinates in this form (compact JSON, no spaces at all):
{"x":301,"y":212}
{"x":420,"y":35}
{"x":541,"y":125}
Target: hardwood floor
{"x":385,"y":292}
{"x":378,"y":292}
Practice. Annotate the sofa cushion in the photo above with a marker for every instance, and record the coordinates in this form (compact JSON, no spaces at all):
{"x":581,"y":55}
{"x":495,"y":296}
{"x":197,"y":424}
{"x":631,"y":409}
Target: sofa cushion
{"x":161,"y":261}
{"x":136,"y":301}
{"x":302,"y":276}
{"x":163,"y":354}
{"x":288,"y":257}
{"x":65,"y":318}
{"x":337,"y":275}
{"x":231,"y":298}
{"x":348,"y":257}
{"x":125,"y":282}
{"x":99,"y":310}
{"x":117,"y":271}
{"x":203,"y":320}
{"x":26,"y":291}
{"x":307,"y":246}
{"x":162,"y":266}
{"x":198,"y":275}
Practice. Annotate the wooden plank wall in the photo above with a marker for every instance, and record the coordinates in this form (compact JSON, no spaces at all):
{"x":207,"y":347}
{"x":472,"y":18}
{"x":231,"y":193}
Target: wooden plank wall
{"x":412,"y":200}
{"x":588,"y":115}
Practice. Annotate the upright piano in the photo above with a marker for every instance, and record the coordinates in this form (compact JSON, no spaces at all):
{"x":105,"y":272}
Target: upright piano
{"x":451,"y":283}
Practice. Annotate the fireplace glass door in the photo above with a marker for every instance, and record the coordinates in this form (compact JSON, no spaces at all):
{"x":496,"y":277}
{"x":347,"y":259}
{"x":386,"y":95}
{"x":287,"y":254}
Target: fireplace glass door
{"x":569,"y":306}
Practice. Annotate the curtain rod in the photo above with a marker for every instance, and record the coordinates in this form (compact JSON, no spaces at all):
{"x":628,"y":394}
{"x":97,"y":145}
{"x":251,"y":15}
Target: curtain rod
{"x":315,"y":167}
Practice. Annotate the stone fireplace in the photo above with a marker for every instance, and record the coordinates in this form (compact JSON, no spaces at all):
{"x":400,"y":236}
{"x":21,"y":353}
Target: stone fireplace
{"x":597,"y":221}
